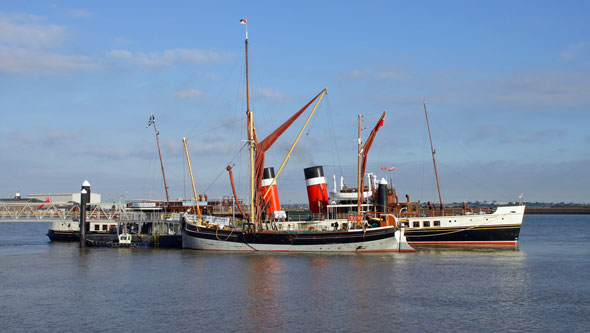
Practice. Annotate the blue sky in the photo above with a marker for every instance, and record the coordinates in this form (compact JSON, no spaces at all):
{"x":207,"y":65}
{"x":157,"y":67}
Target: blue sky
{"x":507,"y":85}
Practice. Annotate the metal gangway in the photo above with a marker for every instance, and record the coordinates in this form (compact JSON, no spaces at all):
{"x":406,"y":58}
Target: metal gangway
{"x":49,"y":212}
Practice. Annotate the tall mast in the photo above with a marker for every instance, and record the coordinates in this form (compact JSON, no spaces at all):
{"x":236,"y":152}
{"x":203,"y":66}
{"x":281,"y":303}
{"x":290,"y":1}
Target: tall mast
{"x":433,"y":159}
{"x":160,"y":153}
{"x":190,"y":170}
{"x":360,"y":190}
{"x":250,"y":134}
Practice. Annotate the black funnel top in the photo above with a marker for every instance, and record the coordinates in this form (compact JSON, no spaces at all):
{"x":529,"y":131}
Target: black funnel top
{"x":314,"y":172}
{"x":269,"y":173}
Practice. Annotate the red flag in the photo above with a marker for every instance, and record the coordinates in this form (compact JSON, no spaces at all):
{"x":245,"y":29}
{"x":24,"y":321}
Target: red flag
{"x":243,"y":21}
{"x":380,"y":123}
{"x":46,"y":201}
{"x":383,"y":169}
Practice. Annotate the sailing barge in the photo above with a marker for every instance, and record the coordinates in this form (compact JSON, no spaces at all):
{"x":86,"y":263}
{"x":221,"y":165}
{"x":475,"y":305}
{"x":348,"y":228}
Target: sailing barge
{"x":340,"y":227}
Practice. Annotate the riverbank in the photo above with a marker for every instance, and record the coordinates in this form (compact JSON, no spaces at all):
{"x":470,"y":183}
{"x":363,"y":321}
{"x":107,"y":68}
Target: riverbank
{"x":557,"y":210}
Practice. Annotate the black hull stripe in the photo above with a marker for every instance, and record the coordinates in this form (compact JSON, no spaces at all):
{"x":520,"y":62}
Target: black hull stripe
{"x":275,"y":238}
{"x":479,"y":234}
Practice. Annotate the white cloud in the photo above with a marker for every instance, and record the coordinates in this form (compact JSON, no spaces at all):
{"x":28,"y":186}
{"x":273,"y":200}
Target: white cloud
{"x":271,"y":93}
{"x":535,"y":137}
{"x":30,"y":31}
{"x":541,"y":89}
{"x":25,"y":43}
{"x":384,"y":72}
{"x":20,"y":61}
{"x":107,"y":153}
{"x":168,"y":57}
{"x":79,"y":13}
{"x":576,"y":51}
{"x":189,"y":93}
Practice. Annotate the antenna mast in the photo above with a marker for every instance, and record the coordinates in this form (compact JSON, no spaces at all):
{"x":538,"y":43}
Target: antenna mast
{"x":433,"y":159}
{"x":153,"y":121}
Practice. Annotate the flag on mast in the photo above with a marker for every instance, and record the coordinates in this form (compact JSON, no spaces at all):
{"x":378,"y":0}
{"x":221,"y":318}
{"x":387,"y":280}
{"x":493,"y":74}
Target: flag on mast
{"x":151,"y":121}
{"x":243,"y":21}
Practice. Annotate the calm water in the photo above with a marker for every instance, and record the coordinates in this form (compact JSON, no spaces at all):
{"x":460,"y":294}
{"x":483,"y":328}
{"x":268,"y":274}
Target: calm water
{"x":543,"y":286}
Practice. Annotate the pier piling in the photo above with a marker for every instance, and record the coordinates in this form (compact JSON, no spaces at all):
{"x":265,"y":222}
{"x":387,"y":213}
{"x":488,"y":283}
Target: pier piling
{"x":84,"y":200}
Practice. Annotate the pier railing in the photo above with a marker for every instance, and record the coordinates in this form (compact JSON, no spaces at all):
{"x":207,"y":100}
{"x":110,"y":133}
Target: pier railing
{"x":47,"y":212}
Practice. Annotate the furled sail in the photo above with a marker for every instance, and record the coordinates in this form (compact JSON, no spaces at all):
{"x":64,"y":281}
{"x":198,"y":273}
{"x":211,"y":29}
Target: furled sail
{"x":366,"y":149}
{"x":265,"y":144}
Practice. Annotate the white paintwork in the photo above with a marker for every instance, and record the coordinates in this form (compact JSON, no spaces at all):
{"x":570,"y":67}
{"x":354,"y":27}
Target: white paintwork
{"x":507,"y":215}
{"x":125,"y":238}
{"x":315,"y":181}
{"x":391,"y":244}
{"x":279,"y":215}
{"x":66,"y":226}
{"x":339,"y":196}
{"x":347,"y":196}
{"x":267,"y":182}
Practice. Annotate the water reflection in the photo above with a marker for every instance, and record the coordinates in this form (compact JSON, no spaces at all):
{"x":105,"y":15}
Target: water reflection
{"x":433,"y":289}
{"x":265,"y":292}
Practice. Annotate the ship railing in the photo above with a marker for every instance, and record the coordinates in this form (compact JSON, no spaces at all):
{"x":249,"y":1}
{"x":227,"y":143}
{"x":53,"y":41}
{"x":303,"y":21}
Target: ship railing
{"x":425,"y":212}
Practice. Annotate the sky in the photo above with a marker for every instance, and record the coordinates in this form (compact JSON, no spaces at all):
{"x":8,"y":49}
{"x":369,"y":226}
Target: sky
{"x":506,"y":84}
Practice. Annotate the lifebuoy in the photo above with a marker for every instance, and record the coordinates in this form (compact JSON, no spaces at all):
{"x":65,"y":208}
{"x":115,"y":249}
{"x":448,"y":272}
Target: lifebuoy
{"x":351,"y":217}
{"x":359,"y":218}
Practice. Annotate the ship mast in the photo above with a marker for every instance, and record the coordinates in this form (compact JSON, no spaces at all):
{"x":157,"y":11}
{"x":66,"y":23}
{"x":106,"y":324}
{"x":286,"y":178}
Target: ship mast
{"x":433,"y":159}
{"x":190,"y":170}
{"x":359,"y":189}
{"x":250,"y":134}
{"x":153,"y":120}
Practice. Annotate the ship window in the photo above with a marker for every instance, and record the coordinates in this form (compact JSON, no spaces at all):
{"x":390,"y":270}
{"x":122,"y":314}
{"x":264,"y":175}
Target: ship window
{"x":406,"y":224}
{"x":436,"y":224}
{"x":104,"y":227}
{"x":96,"y":227}
{"x":416,"y":224}
{"x":426,"y":224}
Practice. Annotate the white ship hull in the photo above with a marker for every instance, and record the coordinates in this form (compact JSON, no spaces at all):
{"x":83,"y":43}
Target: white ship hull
{"x":500,"y":228}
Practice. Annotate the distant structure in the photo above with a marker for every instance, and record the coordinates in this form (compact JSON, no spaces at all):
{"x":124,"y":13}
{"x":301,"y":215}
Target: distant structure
{"x":18,"y":199}
{"x":62,"y":198}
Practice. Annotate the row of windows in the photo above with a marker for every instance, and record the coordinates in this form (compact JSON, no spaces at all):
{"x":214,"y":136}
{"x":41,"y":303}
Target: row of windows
{"x":425,"y":224}
{"x":105,"y":227}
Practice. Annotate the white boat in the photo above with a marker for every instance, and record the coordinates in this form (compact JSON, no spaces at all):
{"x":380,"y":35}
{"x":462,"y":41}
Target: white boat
{"x":443,"y":226}
{"x":69,"y":230}
{"x":499,"y":226}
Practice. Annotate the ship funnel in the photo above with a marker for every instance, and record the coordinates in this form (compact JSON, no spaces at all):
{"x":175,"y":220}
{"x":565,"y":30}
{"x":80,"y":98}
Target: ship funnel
{"x":272,"y":198}
{"x":317,"y":192}
{"x":382,"y":200}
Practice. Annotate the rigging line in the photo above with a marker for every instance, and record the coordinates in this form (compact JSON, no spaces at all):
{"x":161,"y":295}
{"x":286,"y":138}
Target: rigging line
{"x":332,"y":130}
{"x":422,"y":185}
{"x":216,"y":98}
{"x":213,"y":129}
{"x":222,"y":171}
{"x":184,"y":175}
{"x":479,"y":166}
